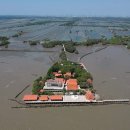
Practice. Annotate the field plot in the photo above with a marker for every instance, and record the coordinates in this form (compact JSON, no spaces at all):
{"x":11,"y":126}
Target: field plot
{"x":55,"y":28}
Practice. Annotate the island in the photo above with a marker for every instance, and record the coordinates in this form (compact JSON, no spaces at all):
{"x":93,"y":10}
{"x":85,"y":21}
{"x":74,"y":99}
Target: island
{"x":65,"y":82}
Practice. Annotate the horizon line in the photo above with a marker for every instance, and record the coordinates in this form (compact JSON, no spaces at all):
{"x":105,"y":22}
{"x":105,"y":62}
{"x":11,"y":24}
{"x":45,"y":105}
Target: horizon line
{"x":21,"y":15}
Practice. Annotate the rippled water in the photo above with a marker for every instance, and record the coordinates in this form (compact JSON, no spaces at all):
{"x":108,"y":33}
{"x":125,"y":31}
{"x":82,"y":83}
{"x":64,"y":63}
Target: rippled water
{"x":110,"y":69}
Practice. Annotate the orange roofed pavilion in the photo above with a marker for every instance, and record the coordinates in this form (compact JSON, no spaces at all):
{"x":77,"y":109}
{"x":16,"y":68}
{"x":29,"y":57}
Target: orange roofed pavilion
{"x":89,"y":95}
{"x":56,"y":97}
{"x":43,"y":98}
{"x":72,"y":81}
{"x":30,"y":97}
{"x":72,"y":85}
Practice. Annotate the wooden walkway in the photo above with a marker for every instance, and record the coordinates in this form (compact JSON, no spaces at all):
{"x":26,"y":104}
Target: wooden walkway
{"x":115,"y":101}
{"x":36,"y":104}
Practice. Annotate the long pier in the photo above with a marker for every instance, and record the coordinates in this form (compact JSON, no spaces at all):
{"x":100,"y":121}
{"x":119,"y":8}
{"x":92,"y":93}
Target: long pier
{"x":115,"y":101}
{"x":46,"y":104}
{"x":22,"y":91}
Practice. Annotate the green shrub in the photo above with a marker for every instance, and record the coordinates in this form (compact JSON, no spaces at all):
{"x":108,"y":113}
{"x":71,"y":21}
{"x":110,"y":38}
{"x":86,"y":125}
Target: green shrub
{"x":33,"y":43}
{"x":48,"y":45}
{"x":51,"y":44}
{"x":70,"y":47}
{"x":91,"y":42}
{"x":63,"y":56}
{"x":15,"y":35}
{"x":3,"y":38}
{"x":119,"y":40}
{"x":18,"y":34}
{"x":36,"y":86}
{"x":4,"y":42}
{"x":47,"y":93}
{"x":128,"y":45}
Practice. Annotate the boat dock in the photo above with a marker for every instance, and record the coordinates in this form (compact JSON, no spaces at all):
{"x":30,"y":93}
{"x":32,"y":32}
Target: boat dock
{"x":45,"y":104}
{"x":81,"y":102}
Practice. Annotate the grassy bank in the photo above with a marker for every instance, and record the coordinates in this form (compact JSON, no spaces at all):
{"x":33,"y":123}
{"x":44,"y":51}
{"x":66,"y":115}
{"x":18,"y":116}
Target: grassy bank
{"x":70,"y":46}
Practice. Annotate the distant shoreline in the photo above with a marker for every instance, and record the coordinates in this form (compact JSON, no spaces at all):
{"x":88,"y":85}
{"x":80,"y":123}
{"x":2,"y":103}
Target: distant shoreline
{"x":54,"y":16}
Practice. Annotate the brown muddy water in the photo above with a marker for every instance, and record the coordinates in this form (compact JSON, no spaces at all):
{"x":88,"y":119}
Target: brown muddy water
{"x":110,"y":69}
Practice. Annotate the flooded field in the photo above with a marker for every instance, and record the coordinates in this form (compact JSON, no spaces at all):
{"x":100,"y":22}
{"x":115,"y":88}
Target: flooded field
{"x":54,"y":28}
{"x":110,"y":69}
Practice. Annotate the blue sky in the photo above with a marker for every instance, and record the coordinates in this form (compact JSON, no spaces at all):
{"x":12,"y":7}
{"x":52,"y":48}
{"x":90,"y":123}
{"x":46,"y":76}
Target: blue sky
{"x":66,"y":7}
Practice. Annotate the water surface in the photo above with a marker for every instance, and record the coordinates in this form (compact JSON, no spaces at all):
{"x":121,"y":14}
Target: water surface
{"x":110,"y":69}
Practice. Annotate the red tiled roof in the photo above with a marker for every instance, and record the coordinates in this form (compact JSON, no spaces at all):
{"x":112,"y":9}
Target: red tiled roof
{"x":71,"y":87}
{"x":61,"y":80}
{"x":43,"y":98}
{"x":89,"y":95}
{"x":72,"y":81}
{"x":56,"y":98}
{"x":30,"y":97}
{"x":72,"y":84}
{"x":57,"y":74}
